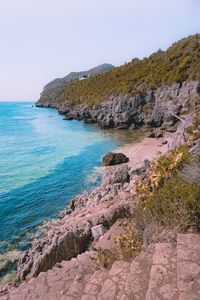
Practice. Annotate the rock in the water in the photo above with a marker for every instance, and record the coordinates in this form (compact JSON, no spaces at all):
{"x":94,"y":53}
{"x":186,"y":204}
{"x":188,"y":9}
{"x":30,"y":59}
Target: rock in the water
{"x":111,"y":159}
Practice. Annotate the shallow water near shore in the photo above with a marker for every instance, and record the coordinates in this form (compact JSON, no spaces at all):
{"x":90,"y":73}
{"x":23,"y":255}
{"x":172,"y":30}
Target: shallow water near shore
{"x":45,"y":162}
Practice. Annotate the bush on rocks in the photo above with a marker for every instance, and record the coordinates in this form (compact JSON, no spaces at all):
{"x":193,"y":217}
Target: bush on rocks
{"x":166,"y":197}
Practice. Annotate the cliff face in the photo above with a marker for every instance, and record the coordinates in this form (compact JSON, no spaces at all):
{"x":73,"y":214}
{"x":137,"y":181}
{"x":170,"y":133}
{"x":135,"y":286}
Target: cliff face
{"x":177,"y":64}
{"x":157,"y":108}
{"x":143,"y":92}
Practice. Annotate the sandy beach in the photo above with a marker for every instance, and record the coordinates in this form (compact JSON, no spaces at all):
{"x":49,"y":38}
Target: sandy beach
{"x":148,"y":148}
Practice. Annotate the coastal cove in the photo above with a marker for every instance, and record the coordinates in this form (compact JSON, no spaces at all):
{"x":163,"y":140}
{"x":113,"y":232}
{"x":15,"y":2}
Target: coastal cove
{"x":44,"y":163}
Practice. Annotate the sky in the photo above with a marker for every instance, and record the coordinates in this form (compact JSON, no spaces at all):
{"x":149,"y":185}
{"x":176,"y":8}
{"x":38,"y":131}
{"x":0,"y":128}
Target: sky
{"x":41,"y":40}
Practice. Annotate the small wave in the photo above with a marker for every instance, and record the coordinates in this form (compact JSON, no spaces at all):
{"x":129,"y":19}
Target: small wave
{"x":24,"y":118}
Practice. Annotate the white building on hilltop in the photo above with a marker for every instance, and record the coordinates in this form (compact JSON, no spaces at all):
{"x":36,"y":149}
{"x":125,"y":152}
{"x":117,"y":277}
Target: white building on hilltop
{"x":83,"y":77}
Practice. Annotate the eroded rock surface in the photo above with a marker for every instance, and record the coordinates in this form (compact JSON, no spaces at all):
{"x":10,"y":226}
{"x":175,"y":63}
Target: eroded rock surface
{"x":156,"y":108}
{"x":71,"y":234}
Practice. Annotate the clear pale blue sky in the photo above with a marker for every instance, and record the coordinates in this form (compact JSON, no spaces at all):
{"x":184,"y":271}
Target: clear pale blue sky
{"x":44,"y":39}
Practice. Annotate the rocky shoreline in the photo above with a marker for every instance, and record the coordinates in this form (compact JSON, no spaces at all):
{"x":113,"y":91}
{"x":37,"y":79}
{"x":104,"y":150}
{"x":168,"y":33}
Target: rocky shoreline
{"x":72,"y":234}
{"x":155,"y":110}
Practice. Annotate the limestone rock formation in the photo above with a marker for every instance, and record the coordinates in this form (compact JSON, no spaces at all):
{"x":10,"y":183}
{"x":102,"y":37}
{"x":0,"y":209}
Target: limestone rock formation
{"x":156,"y":108}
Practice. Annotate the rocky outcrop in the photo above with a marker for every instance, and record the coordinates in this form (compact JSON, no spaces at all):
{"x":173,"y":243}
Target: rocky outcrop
{"x":191,"y":171}
{"x":181,"y":135}
{"x":46,"y":253}
{"x":120,"y":175}
{"x":72,"y":233}
{"x":155,"y":108}
{"x":111,"y":159}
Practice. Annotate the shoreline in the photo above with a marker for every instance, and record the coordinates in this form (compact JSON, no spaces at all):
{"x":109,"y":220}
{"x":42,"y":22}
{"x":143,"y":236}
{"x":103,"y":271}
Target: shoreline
{"x":92,"y":221}
{"x":146,"y":149}
{"x":71,"y":234}
{"x":6,"y":257}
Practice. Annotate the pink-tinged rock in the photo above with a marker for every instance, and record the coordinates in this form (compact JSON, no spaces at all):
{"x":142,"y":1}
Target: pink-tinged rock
{"x":163,"y":278}
{"x":109,"y":290}
{"x":188,"y":266}
{"x":97,"y":231}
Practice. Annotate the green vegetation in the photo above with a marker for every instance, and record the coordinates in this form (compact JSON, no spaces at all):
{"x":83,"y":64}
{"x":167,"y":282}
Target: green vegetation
{"x":161,"y":169}
{"x":180,"y":62}
{"x":129,"y":243}
{"x":165,"y":197}
{"x":175,"y":203}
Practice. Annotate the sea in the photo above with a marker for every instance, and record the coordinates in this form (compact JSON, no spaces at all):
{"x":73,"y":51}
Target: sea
{"x":44,"y":162}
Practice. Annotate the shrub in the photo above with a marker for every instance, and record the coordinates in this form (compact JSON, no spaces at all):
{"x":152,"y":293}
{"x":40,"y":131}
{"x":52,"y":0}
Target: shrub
{"x":127,"y":246}
{"x":165,"y":197}
{"x":176,"y":202}
{"x":105,"y":258}
{"x":161,"y":169}
{"x":129,"y":243}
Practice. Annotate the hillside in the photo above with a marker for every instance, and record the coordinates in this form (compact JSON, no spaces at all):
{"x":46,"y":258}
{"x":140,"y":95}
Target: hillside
{"x":178,"y":63}
{"x":75,"y":75}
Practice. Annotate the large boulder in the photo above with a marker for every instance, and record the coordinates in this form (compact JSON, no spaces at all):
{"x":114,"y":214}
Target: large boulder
{"x":111,"y":159}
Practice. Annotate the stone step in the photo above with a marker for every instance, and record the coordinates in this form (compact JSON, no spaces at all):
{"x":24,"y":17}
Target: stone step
{"x":166,"y":271}
{"x":113,"y":287}
{"x":163,"y":274}
{"x":87,"y":287}
{"x":64,"y":281}
{"x":94,"y":286}
{"x":138,"y":279}
{"x":188,"y":266}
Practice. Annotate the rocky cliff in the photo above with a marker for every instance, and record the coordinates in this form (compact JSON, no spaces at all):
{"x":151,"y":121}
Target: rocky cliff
{"x":157,"y":108}
{"x":140,"y":78}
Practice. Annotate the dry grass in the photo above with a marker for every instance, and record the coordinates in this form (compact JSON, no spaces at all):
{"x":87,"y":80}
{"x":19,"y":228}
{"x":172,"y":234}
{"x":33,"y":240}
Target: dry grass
{"x":127,"y":246}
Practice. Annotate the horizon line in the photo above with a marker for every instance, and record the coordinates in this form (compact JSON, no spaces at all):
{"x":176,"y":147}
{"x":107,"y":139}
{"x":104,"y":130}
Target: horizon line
{"x":10,"y":100}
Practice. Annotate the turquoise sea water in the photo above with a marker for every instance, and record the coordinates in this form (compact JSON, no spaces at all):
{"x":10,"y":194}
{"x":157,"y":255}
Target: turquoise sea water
{"x":44,"y":162}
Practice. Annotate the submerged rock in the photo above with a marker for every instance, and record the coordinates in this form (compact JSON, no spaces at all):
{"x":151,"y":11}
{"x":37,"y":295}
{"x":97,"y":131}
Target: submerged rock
{"x":111,"y":159}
